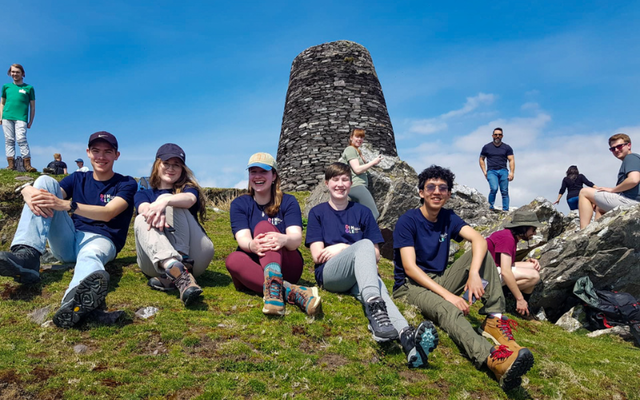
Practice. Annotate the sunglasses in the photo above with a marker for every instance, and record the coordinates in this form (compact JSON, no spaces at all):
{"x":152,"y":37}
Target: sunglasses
{"x":617,"y":147}
{"x":497,"y":134}
{"x":430,"y":188}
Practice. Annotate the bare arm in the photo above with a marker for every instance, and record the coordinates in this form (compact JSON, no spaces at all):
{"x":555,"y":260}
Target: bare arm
{"x":479,"y":251}
{"x":358,"y":169}
{"x":558,"y":199}
{"x":512,"y":166}
{"x":2,"y":107}
{"x":65,"y":171}
{"x":632,"y":180}
{"x":322,"y":254}
{"x":483,"y":167}
{"x":32,"y":113}
{"x":510,"y":280}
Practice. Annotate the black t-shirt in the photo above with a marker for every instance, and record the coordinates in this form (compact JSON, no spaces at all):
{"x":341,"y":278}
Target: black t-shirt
{"x":58,"y":167}
{"x":496,"y":155}
{"x":574,"y":186}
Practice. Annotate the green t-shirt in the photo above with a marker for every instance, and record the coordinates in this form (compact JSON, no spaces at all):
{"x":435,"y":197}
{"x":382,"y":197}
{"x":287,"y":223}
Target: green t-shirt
{"x":17,"y":99}
{"x":349,"y":154}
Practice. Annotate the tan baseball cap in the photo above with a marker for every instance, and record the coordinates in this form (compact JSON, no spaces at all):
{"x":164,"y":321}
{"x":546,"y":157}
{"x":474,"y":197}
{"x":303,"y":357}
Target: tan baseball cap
{"x":263,"y":160}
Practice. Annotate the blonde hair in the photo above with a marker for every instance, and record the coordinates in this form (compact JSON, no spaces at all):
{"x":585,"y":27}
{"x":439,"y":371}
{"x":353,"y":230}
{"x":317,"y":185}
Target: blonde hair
{"x":273,"y":206}
{"x":16,"y":66}
{"x":357,"y":132}
{"x":57,"y":156}
{"x":187,"y":179}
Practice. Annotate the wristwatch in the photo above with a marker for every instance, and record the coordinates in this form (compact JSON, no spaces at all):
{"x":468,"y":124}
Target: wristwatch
{"x":73,"y":207}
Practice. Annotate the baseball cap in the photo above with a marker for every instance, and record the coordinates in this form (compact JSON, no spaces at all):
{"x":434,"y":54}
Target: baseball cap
{"x":80,"y":160}
{"x":106,"y":136}
{"x":170,"y":150}
{"x":262,"y":160}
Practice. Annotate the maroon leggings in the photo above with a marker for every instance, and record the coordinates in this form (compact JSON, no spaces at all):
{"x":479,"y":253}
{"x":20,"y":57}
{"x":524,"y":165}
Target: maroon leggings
{"x":247,"y":269}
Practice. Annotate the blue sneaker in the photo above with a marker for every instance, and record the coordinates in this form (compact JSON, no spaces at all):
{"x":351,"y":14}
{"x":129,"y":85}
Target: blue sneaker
{"x":419,"y":343}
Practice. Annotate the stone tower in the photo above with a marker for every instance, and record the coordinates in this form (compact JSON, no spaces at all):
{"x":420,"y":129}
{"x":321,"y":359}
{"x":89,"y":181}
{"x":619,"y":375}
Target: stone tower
{"x":333,"y":88}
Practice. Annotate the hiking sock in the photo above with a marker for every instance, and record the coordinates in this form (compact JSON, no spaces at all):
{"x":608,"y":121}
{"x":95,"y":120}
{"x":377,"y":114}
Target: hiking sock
{"x":496,"y":315}
{"x":275,"y":267}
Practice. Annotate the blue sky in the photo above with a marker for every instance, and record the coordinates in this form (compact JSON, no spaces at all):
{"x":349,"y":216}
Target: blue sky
{"x":559,"y":77}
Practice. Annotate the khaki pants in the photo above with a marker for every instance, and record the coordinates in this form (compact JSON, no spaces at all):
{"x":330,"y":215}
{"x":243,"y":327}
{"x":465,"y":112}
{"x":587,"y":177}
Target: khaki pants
{"x":448,"y":316}
{"x":187,"y":238}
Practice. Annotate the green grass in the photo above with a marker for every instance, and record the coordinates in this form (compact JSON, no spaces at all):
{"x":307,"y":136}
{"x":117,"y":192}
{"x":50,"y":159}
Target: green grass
{"x":224,"y":347}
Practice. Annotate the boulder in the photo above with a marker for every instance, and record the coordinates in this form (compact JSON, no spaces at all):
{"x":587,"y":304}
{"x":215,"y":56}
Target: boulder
{"x":606,"y":251}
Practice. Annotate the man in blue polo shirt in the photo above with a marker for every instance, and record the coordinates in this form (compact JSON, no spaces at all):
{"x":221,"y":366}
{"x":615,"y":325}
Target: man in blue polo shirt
{"x":101,"y":206}
{"x":497,"y":154}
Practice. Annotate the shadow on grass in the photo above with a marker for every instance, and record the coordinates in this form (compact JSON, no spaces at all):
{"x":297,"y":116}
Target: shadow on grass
{"x":214,"y":279}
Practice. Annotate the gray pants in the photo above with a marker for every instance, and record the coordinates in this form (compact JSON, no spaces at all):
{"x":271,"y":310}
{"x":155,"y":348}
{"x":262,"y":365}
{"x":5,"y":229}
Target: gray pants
{"x":354,"y":271}
{"x":15,"y":131}
{"x":188,"y":238}
{"x":448,"y":316}
{"x":360,"y":194}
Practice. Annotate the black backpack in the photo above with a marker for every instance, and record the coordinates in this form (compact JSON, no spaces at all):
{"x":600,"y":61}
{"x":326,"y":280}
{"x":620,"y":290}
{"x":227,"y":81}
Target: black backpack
{"x":57,"y":167}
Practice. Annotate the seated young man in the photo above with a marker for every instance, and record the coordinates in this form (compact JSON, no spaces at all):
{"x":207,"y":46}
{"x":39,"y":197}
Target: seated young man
{"x":520,"y":277}
{"x":101,"y":204}
{"x":421,"y":242}
{"x":627,"y":190}
{"x":343,"y":237}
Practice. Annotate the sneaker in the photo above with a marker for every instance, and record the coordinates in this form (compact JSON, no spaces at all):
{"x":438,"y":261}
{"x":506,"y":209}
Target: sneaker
{"x":306,"y":298}
{"x":272,"y":290}
{"x":89,"y":295}
{"x":379,"y":322}
{"x":418,"y":343}
{"x":499,"y":331}
{"x":184,"y":281}
{"x":161,"y":283}
{"x":508,"y":365}
{"x":22,"y":263}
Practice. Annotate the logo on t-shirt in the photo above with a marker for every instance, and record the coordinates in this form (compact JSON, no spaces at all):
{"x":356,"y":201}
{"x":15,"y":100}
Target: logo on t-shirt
{"x":443,"y":236}
{"x":274,"y":221}
{"x":22,"y":91}
{"x":106,"y":198}
{"x":351,"y":229}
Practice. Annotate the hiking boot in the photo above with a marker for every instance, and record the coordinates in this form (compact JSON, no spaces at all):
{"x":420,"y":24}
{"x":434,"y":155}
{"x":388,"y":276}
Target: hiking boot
{"x":161,"y":283}
{"x":306,"y":298}
{"x":418,"y":343}
{"x":508,"y":366}
{"x":185,"y":282}
{"x":499,"y":331}
{"x":89,"y":295}
{"x":12,"y":163}
{"x":22,"y":263}
{"x":272,"y":290}
{"x":379,"y":322}
{"x":27,"y":165}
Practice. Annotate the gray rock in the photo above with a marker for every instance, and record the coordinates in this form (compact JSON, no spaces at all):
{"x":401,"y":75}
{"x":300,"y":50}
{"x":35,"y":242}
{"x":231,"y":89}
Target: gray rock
{"x":80,"y":349}
{"x":48,"y":258}
{"x":146,"y":312}
{"x":623,"y":331}
{"x":39,"y":315}
{"x":572,"y":320}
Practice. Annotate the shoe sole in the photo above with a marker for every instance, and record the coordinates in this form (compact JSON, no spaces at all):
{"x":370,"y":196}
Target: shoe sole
{"x":523,"y":363}
{"x":428,"y":342}
{"x":272,"y":311}
{"x":315,"y":305}
{"x":161,"y":288}
{"x":19,"y":274}
{"x":90,"y":294}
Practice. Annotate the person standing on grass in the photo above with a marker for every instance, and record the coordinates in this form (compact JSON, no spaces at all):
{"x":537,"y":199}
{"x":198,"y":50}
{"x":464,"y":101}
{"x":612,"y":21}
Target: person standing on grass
{"x":267,"y":224}
{"x":173,"y":248}
{"x":343,"y":237}
{"x":18,"y":105}
{"x":497,"y":153}
{"x":101,"y":207}
{"x":520,"y":277}
{"x":421,"y":241}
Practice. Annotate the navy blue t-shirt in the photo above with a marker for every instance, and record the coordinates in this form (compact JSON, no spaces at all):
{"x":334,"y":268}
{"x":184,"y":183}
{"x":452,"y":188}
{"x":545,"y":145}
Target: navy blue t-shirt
{"x":85,"y":190}
{"x":430,"y":240}
{"x":496,"y":156}
{"x":574,"y":186}
{"x":630,"y":163}
{"x":245,"y":213}
{"x":151,"y":195}
{"x":348,"y":226}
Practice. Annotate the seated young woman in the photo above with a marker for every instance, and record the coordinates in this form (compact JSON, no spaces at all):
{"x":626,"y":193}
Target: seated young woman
{"x":173,"y":248}
{"x":343,"y":237}
{"x":267,"y":225}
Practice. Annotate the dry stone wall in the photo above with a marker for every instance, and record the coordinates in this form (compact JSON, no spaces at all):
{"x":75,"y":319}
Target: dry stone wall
{"x":333,"y":87}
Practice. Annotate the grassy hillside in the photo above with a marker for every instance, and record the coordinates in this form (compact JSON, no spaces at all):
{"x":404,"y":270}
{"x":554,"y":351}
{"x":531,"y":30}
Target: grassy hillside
{"x":224,"y":347}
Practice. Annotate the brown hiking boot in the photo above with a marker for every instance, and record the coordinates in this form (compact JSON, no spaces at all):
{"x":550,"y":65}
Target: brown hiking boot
{"x":508,"y":366}
{"x":306,"y":298}
{"x":27,"y":165}
{"x":185,"y":282}
{"x":12,"y":163}
{"x":499,"y":331}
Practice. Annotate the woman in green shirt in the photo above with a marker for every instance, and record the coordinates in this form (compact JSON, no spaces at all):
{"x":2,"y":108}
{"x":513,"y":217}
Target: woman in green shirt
{"x":359,"y":166}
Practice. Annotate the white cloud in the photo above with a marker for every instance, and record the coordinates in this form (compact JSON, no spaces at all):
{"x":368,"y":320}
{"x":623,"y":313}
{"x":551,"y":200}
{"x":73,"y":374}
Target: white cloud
{"x":438,"y":124}
{"x":242,"y":184}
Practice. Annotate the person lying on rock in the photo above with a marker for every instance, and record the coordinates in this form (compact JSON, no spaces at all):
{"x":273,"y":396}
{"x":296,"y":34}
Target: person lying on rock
{"x":627,"y":190}
{"x":520,"y":277}
{"x":101,"y":206}
{"x":421,"y":241}
{"x":343,"y":237}
{"x":173,"y":248}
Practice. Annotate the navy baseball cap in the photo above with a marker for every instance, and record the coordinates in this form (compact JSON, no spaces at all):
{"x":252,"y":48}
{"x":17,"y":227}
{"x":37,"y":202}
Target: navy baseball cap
{"x":106,"y":136}
{"x":170,"y":150}
{"x":80,"y":160}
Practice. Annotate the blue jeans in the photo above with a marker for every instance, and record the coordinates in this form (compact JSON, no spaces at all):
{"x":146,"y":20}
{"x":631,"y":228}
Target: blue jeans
{"x":90,"y":251}
{"x":573,"y":203}
{"x":498,"y":178}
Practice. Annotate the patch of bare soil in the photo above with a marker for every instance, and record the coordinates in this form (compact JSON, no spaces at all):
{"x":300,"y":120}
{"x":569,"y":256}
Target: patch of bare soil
{"x":331,"y":362}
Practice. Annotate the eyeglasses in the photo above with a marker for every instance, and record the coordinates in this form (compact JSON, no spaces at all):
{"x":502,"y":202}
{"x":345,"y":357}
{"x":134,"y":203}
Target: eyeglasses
{"x":617,"y":147}
{"x":167,"y":165}
{"x":430,"y":188}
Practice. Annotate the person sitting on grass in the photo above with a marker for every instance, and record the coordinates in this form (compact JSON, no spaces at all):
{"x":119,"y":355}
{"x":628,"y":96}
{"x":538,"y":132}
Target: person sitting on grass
{"x":101,"y":207}
{"x":520,"y":277}
{"x":343,"y":237}
{"x":267,"y":224}
{"x":172,"y":247}
{"x":421,"y":241}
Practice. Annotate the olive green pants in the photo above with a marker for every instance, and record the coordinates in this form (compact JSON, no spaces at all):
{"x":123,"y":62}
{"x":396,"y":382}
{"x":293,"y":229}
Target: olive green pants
{"x":448,"y":316}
